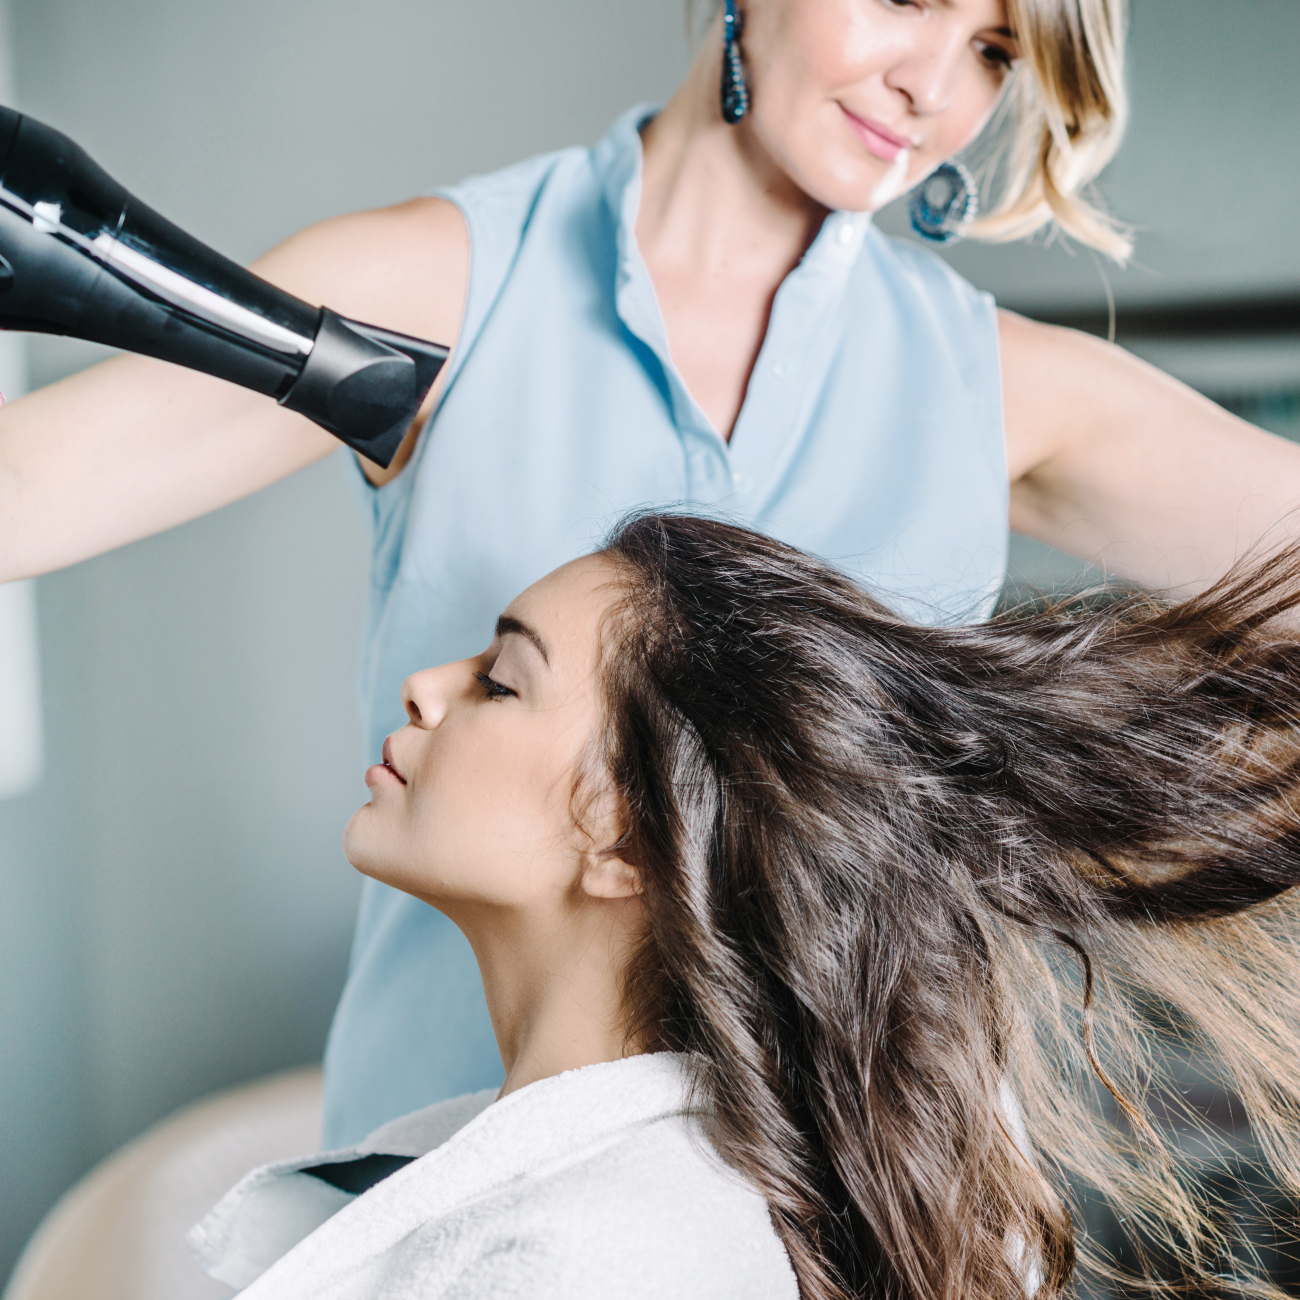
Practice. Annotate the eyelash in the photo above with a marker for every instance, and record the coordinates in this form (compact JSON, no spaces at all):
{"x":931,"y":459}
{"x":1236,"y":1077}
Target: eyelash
{"x":994,"y":56}
{"x":492,"y":689}
{"x":997,"y":58}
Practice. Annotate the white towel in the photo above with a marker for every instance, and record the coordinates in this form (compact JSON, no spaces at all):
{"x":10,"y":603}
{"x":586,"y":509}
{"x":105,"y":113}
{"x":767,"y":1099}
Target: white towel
{"x":593,"y":1184}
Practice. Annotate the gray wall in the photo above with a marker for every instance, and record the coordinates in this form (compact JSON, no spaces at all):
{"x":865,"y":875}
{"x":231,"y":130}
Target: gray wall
{"x":1206,"y":174}
{"x":176,"y":911}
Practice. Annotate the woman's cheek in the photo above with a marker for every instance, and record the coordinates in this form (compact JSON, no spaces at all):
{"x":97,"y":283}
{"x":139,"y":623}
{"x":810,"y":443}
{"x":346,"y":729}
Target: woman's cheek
{"x":974,"y":104}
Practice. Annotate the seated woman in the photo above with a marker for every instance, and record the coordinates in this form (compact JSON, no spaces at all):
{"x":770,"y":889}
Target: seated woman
{"x":779,"y":901}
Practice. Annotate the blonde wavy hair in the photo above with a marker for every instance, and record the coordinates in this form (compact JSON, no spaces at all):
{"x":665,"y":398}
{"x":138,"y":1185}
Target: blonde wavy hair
{"x":1060,"y":121}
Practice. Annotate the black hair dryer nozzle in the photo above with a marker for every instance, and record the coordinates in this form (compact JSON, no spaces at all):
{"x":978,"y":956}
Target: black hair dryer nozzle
{"x":80,"y":256}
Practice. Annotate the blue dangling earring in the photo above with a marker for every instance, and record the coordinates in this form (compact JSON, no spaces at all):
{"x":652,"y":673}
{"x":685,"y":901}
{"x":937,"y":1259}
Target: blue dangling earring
{"x":735,"y":93}
{"x":944,"y":204}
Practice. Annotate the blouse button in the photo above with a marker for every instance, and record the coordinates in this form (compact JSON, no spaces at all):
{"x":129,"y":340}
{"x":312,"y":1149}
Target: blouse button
{"x":704,"y":466}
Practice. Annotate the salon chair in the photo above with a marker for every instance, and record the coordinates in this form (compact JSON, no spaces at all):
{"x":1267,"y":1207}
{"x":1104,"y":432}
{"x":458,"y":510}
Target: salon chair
{"x":119,"y":1234}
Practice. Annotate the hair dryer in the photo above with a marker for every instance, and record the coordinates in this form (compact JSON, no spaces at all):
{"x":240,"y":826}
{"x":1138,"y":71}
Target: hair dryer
{"x":80,"y":256}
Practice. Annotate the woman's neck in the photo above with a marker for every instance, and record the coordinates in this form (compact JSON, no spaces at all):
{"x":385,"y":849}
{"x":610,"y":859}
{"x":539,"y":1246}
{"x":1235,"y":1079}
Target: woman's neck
{"x":713,"y":203}
{"x":719,"y":227}
{"x":553,"y":986}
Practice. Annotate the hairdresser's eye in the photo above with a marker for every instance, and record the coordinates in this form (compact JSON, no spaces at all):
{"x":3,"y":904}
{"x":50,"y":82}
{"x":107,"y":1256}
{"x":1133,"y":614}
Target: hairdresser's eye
{"x":492,"y":689}
{"x":996,"y":57}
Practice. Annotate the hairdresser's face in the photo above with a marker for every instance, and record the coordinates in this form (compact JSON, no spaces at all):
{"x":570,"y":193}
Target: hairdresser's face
{"x":839,"y":87}
{"x":473,"y":806}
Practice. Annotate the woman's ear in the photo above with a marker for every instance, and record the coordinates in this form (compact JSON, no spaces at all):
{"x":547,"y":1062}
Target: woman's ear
{"x":608,"y":876}
{"x":603,"y":825}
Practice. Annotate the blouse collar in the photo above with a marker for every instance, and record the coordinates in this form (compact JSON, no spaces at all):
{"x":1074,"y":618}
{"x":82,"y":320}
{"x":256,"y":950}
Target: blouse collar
{"x":817,"y":283}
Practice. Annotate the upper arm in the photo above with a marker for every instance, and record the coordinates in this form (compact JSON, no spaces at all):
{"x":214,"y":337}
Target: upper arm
{"x":1116,"y":461}
{"x":405,"y":268}
{"x":134,"y":446}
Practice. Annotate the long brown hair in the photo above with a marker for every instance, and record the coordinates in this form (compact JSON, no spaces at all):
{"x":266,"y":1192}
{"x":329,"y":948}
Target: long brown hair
{"x":884,"y":865}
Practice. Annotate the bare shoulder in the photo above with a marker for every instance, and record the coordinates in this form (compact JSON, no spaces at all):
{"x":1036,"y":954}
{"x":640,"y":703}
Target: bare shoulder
{"x":405,"y":268}
{"x":1030,"y":343}
{"x":1057,"y":385}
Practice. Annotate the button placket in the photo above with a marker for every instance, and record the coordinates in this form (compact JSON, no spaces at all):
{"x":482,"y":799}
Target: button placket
{"x":709,"y":473}
{"x":776,"y":405}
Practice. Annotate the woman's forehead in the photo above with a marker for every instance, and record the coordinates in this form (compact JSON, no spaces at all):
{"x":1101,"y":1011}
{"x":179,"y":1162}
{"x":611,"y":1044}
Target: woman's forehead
{"x":567,"y":608}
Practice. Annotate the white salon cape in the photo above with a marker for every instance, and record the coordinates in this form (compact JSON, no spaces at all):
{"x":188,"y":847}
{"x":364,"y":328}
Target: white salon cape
{"x":595,"y":1184}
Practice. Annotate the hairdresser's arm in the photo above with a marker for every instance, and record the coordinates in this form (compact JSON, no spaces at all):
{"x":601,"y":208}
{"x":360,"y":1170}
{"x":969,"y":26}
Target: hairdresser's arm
{"x":1119,"y":464}
{"x":134,"y":446}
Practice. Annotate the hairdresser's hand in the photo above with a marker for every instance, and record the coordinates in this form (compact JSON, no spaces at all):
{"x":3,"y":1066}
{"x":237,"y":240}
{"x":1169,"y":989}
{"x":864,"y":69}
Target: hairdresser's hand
{"x":134,"y":446}
{"x":1121,"y":465}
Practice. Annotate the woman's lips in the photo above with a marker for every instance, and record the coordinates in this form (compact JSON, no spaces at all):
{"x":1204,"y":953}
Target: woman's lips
{"x":880,"y":141}
{"x":385,"y":773}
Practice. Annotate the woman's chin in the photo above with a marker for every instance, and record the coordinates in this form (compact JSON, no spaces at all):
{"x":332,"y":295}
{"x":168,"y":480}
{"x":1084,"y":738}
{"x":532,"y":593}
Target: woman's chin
{"x":358,"y":841}
{"x":372,"y":853}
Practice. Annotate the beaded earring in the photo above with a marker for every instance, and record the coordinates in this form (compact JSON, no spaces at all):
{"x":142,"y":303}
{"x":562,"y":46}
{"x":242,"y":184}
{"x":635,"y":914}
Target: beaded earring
{"x":944,"y":204}
{"x":735,"y":93}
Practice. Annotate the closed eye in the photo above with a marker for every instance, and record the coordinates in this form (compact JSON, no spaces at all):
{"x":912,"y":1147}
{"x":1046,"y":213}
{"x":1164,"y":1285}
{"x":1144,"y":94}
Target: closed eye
{"x":493,"y":689}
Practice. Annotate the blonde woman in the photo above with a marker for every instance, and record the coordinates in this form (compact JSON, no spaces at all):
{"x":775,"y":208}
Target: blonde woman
{"x":696,"y":310}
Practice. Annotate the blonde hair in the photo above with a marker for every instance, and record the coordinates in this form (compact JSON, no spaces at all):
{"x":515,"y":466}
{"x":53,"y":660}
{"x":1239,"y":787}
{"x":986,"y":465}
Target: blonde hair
{"x":1061,"y":120}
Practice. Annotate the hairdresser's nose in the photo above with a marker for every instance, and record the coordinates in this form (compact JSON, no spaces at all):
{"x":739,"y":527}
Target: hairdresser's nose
{"x":426,"y":694}
{"x":927,"y":72}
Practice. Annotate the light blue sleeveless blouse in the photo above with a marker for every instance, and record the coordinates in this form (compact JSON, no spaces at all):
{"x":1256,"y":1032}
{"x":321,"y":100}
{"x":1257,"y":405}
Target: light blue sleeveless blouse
{"x":871,"y":434}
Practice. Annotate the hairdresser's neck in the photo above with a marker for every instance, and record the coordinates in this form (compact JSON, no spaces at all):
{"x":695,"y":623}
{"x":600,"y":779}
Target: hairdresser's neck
{"x":552,"y":987}
{"x":713,"y":202}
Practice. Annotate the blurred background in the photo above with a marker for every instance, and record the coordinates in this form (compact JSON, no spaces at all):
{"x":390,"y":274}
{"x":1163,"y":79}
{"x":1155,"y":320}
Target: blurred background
{"x":176,"y":911}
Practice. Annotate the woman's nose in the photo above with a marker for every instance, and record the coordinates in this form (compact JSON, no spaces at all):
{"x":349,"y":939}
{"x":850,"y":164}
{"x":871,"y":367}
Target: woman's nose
{"x":425,"y":694}
{"x":926,"y":76}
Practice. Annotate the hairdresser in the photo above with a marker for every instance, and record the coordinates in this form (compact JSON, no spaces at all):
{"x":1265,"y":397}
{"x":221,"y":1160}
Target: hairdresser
{"x":698,"y":309}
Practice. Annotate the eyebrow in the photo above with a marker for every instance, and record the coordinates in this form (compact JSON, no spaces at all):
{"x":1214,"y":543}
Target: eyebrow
{"x":508,"y":624}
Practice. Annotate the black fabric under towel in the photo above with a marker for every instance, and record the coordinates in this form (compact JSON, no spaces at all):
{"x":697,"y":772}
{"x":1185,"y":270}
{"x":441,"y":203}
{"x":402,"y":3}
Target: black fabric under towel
{"x":357,"y":1176}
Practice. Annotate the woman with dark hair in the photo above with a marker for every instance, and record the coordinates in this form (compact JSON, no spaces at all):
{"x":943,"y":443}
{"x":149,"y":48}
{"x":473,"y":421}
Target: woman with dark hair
{"x":808,"y":932}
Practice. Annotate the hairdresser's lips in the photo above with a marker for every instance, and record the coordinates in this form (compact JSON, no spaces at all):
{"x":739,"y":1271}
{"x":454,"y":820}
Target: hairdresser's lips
{"x":385,"y":773}
{"x":885,"y":144}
